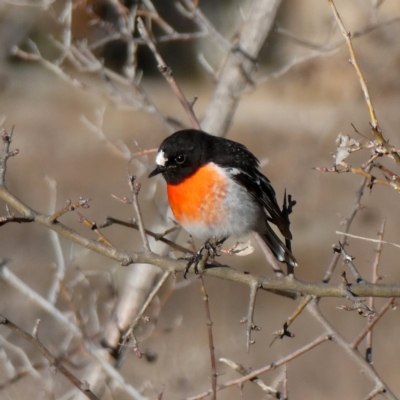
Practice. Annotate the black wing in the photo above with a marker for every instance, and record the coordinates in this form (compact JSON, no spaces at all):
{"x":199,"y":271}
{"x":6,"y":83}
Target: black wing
{"x":261,"y":189}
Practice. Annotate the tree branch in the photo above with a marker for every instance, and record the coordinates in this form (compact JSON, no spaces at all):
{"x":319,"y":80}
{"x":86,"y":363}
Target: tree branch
{"x":54,"y":361}
{"x":239,"y":66}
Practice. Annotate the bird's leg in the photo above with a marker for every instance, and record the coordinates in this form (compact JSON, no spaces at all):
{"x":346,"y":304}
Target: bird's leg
{"x":194,"y":260}
{"x":213,"y":247}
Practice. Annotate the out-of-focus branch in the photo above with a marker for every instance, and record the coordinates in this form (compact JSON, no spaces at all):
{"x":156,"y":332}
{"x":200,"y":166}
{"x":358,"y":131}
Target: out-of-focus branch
{"x":156,"y":288}
{"x":167,"y":73}
{"x":236,"y":74}
{"x":54,"y":361}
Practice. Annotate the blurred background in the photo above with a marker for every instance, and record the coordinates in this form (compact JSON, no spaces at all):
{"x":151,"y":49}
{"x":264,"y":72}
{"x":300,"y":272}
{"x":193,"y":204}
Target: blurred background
{"x":290,"y":122}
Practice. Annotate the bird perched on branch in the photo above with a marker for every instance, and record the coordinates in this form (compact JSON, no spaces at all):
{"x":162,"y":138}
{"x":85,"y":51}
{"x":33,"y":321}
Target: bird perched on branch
{"x":215,"y":190}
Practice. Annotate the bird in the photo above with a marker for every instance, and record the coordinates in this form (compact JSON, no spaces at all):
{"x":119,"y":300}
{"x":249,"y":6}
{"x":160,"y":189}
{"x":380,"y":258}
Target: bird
{"x":216,"y":190}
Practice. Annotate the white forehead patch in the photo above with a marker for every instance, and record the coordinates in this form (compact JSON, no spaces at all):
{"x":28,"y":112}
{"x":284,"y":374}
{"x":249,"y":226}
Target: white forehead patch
{"x":160,"y":159}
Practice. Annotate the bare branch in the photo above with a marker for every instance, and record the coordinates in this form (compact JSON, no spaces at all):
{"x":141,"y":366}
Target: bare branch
{"x":135,"y":188}
{"x":145,"y":306}
{"x":214,"y":374}
{"x":254,"y":374}
{"x":239,"y":66}
{"x":348,"y":221}
{"x":368,"y":239}
{"x":167,"y":73}
{"x":372,"y":323}
{"x":54,"y":361}
{"x":348,"y":260}
{"x":250,"y":315}
{"x":354,"y":354}
{"x":284,"y":331}
{"x":374,"y":121}
{"x":243,"y":371}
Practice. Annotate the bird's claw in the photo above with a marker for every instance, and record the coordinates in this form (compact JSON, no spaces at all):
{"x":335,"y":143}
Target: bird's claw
{"x":195,"y":261}
{"x":213,"y":247}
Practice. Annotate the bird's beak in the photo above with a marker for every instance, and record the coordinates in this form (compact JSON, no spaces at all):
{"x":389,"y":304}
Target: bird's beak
{"x":159,"y":170}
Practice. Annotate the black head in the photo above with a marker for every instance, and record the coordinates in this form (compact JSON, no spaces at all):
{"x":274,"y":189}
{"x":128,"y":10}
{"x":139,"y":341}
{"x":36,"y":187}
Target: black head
{"x":181,"y":154}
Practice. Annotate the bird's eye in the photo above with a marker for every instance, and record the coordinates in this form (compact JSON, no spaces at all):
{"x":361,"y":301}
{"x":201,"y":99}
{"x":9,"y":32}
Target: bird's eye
{"x":180,"y":159}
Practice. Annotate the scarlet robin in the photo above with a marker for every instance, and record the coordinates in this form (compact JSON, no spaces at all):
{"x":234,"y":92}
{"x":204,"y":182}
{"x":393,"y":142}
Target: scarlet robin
{"x":215,"y":190}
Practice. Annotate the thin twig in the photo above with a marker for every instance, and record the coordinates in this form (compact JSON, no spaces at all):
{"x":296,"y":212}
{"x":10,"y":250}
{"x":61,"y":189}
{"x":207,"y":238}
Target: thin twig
{"x":284,"y":331}
{"x":33,"y":297}
{"x":373,"y":393}
{"x":6,"y":154}
{"x":55,"y":240}
{"x":372,"y":323}
{"x":361,"y":171}
{"x":285,"y":384}
{"x":54,"y":361}
{"x":167,"y":73}
{"x":269,"y":256}
{"x":77,"y":313}
{"x":254,"y":374}
{"x":192,"y":11}
{"x":348,"y":260}
{"x":66,"y":19}
{"x":354,"y":354}
{"x":330,"y":47}
{"x":375,"y":279}
{"x":93,"y":226}
{"x":245,"y":371}
{"x":250,"y":315}
{"x":368,"y":239}
{"x":214,"y":374}
{"x":348,"y":221}
{"x":82,"y":203}
{"x":156,"y":288}
{"x":157,"y":236}
{"x":353,"y":60}
{"x":135,"y":189}
{"x":358,"y":303}
{"x":11,"y":217}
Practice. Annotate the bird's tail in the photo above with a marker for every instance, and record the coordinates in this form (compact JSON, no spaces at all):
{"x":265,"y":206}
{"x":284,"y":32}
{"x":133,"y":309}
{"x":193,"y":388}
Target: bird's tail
{"x":279,"y":250}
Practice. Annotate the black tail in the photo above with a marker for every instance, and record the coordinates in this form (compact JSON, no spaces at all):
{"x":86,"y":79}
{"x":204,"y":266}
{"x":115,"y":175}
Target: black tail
{"x":279,"y":250}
